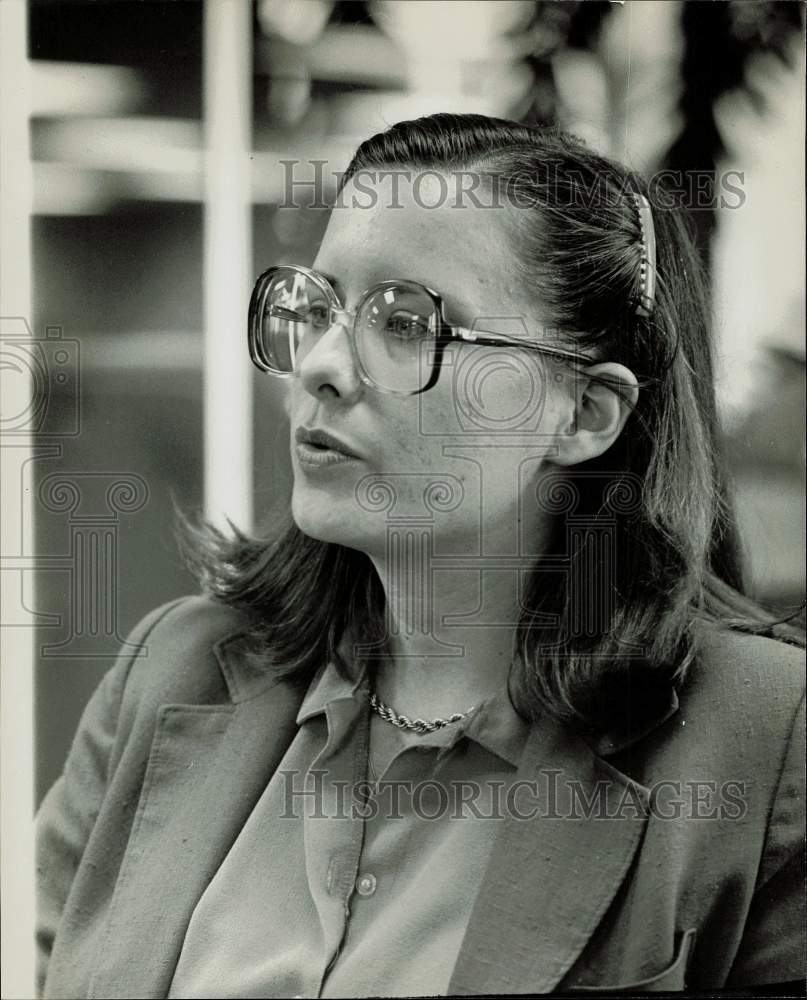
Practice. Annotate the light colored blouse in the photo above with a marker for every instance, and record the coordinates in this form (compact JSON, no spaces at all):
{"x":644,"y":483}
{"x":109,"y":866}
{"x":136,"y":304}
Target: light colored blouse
{"x":347,"y":883}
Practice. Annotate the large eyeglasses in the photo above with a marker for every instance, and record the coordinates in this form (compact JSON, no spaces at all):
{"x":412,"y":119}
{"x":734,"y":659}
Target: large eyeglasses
{"x":399,"y":329}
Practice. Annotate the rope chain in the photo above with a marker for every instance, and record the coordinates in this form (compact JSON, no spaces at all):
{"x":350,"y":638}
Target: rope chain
{"x":413,"y":725}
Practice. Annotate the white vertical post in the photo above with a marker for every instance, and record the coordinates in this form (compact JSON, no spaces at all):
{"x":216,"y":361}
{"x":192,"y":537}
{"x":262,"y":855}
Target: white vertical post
{"x":16,"y":640}
{"x":228,"y":260}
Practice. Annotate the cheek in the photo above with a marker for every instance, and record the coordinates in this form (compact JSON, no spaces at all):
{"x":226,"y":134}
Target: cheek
{"x":491,"y":394}
{"x":503,"y":403}
{"x":494,"y":429}
{"x":286,"y":400}
{"x":296,"y":401}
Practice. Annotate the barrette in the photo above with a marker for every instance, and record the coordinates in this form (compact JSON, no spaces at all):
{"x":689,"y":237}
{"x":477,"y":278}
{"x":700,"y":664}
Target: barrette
{"x":647,"y":263}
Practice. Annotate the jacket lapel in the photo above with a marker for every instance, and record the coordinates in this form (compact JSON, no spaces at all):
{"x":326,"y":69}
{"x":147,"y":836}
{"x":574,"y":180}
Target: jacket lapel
{"x":551,"y":878}
{"x":207,"y":767}
{"x":548,"y":884}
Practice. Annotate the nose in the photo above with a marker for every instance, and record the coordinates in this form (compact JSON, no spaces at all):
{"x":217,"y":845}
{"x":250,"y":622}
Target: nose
{"x":328,"y":371}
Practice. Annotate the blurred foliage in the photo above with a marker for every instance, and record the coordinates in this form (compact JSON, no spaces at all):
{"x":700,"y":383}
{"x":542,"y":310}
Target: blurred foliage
{"x":721,"y":39}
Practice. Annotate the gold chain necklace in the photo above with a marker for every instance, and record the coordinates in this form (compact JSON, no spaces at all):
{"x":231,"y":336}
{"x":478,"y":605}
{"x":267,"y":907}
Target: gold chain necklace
{"x":413,"y":725}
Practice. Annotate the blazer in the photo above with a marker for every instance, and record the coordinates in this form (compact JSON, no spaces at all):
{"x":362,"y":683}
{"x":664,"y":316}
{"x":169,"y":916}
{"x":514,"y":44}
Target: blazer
{"x":177,"y":744}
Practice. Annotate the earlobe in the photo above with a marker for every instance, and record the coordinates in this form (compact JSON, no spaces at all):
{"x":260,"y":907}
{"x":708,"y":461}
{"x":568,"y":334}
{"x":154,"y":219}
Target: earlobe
{"x":605,"y":396}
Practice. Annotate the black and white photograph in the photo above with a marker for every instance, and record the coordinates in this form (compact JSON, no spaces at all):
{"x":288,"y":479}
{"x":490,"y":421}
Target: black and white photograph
{"x":403,"y":498}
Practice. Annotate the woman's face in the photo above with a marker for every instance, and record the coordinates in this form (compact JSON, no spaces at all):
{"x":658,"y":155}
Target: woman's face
{"x":460,"y":461}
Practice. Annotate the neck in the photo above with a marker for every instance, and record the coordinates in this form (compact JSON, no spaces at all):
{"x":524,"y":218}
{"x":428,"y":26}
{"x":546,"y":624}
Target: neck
{"x":450,"y":637}
{"x":451,"y":622}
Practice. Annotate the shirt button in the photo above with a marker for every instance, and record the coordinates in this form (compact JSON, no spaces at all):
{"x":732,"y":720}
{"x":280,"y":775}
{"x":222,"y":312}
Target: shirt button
{"x":365,"y":885}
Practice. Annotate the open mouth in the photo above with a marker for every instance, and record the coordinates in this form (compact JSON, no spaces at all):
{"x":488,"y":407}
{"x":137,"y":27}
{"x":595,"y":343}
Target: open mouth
{"x":315,"y":455}
{"x":319,"y":445}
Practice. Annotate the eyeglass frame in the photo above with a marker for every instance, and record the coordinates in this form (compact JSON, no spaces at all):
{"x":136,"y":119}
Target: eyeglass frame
{"x":446,"y":333}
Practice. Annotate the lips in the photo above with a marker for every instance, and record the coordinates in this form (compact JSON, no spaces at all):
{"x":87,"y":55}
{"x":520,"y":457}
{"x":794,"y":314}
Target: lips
{"x":313,"y":441}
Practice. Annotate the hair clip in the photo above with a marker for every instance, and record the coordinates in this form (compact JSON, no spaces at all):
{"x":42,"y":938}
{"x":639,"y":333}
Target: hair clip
{"x":647,"y":264}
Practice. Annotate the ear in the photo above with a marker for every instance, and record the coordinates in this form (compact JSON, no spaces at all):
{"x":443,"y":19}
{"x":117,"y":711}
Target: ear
{"x":597,"y":412}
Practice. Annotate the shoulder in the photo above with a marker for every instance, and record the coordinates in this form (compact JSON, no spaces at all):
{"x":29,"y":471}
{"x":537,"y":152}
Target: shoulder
{"x":190,"y":623}
{"x":747,"y":702}
{"x":179,"y":652}
{"x":745,"y":677}
{"x":719,"y":643}
{"x":738,"y":709}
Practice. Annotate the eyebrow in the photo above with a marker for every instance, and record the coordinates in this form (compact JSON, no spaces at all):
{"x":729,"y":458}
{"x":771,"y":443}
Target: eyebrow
{"x":333,"y":280}
{"x":452,"y":308}
{"x":340,"y":288}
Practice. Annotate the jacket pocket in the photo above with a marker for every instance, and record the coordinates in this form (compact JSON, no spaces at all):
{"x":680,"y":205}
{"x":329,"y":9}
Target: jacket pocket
{"x":672,"y":979}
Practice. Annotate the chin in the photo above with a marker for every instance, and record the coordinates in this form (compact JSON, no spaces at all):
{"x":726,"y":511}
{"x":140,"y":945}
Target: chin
{"x":329,"y":522}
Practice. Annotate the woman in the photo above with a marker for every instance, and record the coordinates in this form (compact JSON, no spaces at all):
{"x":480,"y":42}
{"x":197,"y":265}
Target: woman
{"x":491,"y":714}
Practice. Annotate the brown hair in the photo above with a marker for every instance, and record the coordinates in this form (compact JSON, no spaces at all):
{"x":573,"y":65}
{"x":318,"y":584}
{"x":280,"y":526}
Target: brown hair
{"x":657,"y":500}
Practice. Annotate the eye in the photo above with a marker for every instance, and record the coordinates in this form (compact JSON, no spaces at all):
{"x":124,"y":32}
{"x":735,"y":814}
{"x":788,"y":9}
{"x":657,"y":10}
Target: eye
{"x":318,"y":315}
{"x":406,"y":326}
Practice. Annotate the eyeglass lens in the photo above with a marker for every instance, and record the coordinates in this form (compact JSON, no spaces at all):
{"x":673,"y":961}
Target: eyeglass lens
{"x":395,"y":328}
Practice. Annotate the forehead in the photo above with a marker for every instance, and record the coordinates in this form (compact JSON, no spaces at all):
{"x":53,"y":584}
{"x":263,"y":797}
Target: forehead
{"x":426,"y":231}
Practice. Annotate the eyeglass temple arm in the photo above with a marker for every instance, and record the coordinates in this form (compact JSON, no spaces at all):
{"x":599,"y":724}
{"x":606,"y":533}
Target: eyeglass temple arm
{"x":489,"y":339}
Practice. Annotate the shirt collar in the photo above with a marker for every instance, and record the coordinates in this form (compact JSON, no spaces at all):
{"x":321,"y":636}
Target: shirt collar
{"x":494,"y":724}
{"x":330,"y":685}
